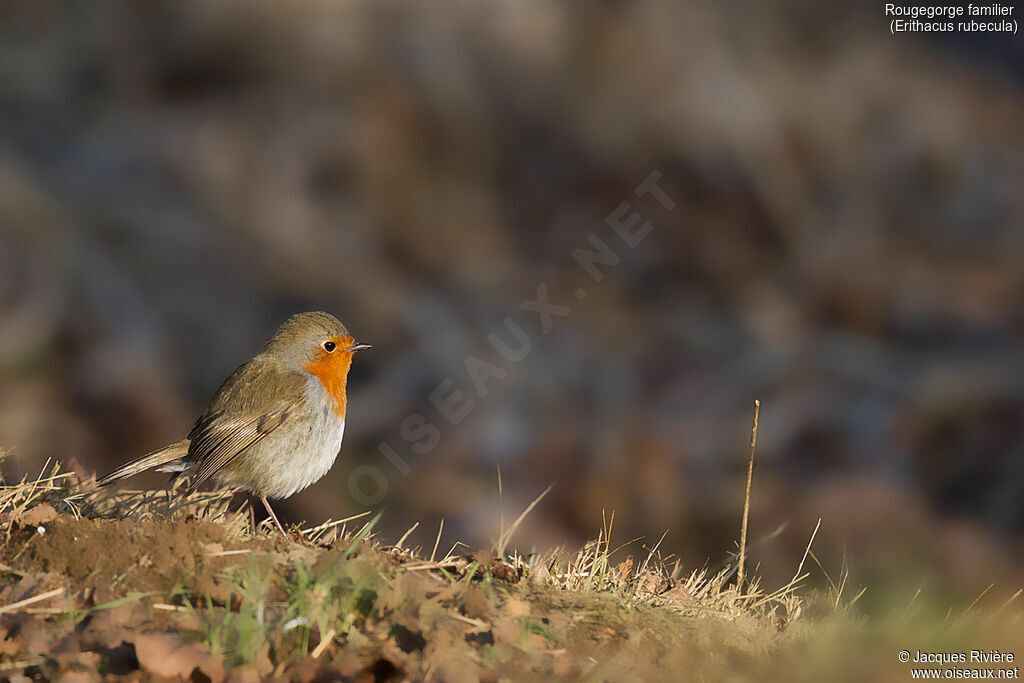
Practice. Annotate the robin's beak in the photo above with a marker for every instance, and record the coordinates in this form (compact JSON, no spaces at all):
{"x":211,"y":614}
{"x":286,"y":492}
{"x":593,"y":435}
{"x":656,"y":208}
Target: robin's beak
{"x":359,"y":347}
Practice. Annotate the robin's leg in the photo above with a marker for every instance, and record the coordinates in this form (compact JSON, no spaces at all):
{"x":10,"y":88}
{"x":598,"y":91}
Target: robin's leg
{"x":266,"y":504}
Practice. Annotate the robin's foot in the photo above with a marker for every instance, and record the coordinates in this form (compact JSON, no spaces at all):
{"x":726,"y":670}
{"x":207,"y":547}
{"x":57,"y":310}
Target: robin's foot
{"x":280,"y":528}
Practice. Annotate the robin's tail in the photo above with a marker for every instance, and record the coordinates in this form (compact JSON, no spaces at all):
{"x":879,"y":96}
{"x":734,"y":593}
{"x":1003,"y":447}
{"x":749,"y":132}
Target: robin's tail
{"x":167,"y":459}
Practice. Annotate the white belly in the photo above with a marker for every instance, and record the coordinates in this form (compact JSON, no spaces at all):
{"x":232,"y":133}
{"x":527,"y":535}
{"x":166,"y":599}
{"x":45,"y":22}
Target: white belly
{"x":303,"y":461}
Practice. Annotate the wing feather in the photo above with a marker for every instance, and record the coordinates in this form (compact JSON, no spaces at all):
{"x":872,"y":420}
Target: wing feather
{"x":222,"y":438}
{"x":258,"y":398}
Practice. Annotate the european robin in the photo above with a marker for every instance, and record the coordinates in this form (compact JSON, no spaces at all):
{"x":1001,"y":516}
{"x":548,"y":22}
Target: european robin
{"x":275,"y":425}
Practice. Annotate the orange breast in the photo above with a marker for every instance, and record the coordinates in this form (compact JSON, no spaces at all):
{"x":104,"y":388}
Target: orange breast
{"x":332,"y":371}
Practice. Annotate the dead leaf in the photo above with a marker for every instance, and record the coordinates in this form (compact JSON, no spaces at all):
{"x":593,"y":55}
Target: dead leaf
{"x":537,"y":642}
{"x":649,"y":583}
{"x":540,"y":576}
{"x":678,"y":595}
{"x":40,"y":514}
{"x":76,"y":677}
{"x":517,"y":608}
{"x":505,"y":572}
{"x":263,"y":663}
{"x":76,"y":664}
{"x":245,"y":674}
{"x":9,"y":646}
{"x":507,"y":631}
{"x":485,"y":557}
{"x":474,"y":604}
{"x":304,"y":671}
{"x":168,"y":656}
{"x":456,"y":670}
{"x":27,"y":586}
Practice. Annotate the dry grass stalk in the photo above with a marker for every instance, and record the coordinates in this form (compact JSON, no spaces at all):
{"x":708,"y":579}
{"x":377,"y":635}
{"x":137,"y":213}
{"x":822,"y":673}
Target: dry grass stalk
{"x":503,"y":541}
{"x":593,"y":568}
{"x":746,"y":499}
{"x":800,"y":566}
{"x":15,"y":606}
{"x":326,"y":640}
{"x":408,"y":532}
{"x":437,"y":541}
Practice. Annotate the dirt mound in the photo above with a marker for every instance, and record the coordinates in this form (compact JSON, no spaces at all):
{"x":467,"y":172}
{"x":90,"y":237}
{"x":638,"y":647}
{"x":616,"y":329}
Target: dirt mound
{"x":161,"y":586}
{"x":192,"y":598}
{"x":147,"y":555}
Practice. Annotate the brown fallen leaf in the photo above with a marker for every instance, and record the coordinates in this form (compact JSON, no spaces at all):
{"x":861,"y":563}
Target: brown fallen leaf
{"x":27,"y":586}
{"x":77,"y":677}
{"x":485,"y":556}
{"x":504,"y":572}
{"x":245,"y":674}
{"x":507,"y":631}
{"x":678,"y":595}
{"x":540,"y":576}
{"x":9,"y":646}
{"x":474,"y":603}
{"x":40,"y":514}
{"x":304,"y":671}
{"x":516,"y":608}
{"x":169,"y":656}
{"x":456,"y":670}
{"x":648,"y":583}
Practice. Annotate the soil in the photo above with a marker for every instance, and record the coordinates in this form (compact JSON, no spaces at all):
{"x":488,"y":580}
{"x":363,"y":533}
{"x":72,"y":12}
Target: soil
{"x":141,"y":598}
{"x":193,"y":599}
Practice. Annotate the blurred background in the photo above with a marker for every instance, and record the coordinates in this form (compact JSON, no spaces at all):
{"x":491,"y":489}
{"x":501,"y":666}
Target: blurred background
{"x":178,"y":177}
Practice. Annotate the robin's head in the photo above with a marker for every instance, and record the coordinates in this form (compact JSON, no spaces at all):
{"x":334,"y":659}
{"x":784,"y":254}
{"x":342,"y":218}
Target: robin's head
{"x":319,"y":344}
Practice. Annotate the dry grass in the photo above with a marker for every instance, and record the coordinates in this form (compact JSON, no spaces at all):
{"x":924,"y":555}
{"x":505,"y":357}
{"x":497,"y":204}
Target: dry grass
{"x":327,"y":595}
{"x":336,"y":596}
{"x":598,"y":567}
{"x":655,"y":579}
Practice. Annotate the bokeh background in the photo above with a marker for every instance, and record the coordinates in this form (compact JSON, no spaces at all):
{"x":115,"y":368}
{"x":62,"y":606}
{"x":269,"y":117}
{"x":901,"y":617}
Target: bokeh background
{"x":179,"y":176}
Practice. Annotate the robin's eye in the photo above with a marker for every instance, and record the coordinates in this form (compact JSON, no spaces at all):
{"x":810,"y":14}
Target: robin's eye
{"x":329,"y":346}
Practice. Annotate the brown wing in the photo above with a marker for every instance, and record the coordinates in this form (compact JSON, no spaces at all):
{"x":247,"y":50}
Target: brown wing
{"x":227,"y":437}
{"x":256,"y":400}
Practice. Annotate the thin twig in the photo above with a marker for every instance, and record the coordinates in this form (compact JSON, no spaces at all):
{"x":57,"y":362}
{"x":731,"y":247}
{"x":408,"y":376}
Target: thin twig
{"x":515,"y":525}
{"x":324,"y":642}
{"x":501,"y":505}
{"x":29,"y":601}
{"x":168,"y":608}
{"x":967,"y":611}
{"x":1012,"y":598}
{"x":398,"y":546}
{"x":746,"y":500}
{"x":906,"y":610}
{"x":433,"y":553}
{"x":319,"y":530}
{"x":807,"y":549}
{"x":224,"y":553}
{"x":469,"y":620}
{"x":449,"y":554}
